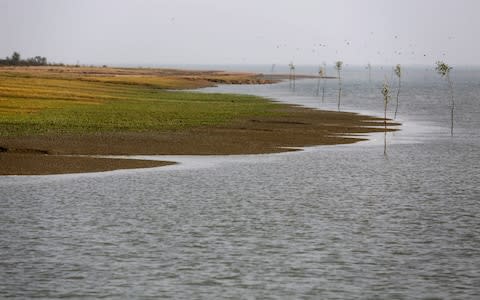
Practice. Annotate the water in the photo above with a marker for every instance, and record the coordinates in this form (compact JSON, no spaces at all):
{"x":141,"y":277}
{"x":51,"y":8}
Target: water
{"x":333,"y":222}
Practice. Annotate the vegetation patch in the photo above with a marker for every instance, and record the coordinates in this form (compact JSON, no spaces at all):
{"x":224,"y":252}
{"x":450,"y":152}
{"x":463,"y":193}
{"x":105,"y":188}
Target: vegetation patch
{"x":47,"y":101}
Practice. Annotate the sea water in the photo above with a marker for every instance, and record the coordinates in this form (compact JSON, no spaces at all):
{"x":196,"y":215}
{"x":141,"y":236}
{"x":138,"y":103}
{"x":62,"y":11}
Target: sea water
{"x":331,"y":222}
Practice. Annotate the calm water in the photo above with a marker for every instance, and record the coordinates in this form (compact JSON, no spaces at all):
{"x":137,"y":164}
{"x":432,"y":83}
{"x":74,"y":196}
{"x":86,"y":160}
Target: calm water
{"x":334,"y":222}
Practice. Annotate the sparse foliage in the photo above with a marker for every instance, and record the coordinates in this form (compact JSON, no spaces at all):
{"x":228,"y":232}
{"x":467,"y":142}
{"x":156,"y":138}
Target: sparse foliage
{"x":443,"y":69}
{"x":338,"y":65}
{"x":321,"y":72}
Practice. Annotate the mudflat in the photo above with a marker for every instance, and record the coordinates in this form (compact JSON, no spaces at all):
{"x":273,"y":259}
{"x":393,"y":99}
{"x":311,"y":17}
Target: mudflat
{"x":248,"y":125}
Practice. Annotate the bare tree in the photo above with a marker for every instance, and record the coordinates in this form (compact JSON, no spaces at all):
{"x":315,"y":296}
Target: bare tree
{"x":338,"y":67}
{"x":444,"y":70}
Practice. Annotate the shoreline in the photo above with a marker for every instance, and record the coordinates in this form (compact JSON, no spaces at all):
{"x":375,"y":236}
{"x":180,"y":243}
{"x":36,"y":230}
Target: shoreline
{"x":301,"y":127}
{"x":271,"y":128}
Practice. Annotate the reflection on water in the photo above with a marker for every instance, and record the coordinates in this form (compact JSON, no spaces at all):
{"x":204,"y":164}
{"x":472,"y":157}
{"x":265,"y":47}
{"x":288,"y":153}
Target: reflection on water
{"x":329,"y":222}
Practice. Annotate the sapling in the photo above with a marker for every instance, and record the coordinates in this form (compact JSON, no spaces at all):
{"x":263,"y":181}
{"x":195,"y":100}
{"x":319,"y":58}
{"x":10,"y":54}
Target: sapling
{"x":444,"y":70}
{"x":338,"y":67}
{"x":386,"y":97}
{"x":398,"y":72}
{"x":290,"y":65}
{"x":320,"y":76}
{"x":324,"y":79}
{"x":292,"y":75}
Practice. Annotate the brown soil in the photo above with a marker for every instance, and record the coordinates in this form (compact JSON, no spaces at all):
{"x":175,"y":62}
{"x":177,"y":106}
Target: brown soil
{"x":35,"y":164}
{"x":299,"y":127}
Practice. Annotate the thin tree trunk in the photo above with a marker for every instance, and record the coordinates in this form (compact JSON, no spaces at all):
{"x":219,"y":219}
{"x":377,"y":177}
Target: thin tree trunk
{"x":385,"y":142}
{"x":294,"y":80}
{"x":385,"y":130}
{"x":323,"y":91}
{"x":339,"y":89}
{"x":290,"y":78}
{"x":339,"y":93}
{"x":398,"y":93}
{"x":450,"y":84}
{"x":385,"y":115}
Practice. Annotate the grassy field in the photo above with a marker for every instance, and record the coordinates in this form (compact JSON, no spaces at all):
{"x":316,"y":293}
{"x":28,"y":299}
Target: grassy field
{"x":48,"y":100}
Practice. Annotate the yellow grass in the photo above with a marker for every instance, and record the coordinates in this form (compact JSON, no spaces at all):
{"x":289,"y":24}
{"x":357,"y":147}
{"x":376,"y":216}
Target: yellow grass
{"x":48,"y":100}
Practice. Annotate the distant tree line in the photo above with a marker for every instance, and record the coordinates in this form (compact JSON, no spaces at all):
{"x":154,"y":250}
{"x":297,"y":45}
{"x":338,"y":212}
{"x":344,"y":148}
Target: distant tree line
{"x":16,"y":60}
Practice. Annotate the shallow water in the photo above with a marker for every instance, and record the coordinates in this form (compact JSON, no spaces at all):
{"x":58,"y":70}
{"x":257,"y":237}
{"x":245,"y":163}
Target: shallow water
{"x":331,"y":222}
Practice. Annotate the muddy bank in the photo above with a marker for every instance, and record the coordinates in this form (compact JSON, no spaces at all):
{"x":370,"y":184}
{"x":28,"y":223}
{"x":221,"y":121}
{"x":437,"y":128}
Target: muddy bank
{"x":296,"y":127}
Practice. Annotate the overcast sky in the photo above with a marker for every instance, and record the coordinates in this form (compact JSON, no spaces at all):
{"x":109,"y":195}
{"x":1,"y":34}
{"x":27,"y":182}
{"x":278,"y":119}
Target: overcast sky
{"x":242,"y":32}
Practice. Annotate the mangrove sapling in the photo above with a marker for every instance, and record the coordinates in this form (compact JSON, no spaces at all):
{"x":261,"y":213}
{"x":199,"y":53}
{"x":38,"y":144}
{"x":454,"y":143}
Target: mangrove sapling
{"x":290,"y":68}
{"x":338,"y":67}
{"x":386,"y":97}
{"x":444,"y":70}
{"x":292,"y":75}
{"x":320,"y":76}
{"x":398,"y":72}
{"x":324,"y":78}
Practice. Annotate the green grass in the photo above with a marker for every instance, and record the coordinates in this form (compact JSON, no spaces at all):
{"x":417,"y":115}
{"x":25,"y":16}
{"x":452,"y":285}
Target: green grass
{"x":32,"y":104}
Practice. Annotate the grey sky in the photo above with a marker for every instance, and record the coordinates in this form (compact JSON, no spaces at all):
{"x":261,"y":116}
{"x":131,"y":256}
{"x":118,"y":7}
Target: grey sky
{"x":246,"y":31}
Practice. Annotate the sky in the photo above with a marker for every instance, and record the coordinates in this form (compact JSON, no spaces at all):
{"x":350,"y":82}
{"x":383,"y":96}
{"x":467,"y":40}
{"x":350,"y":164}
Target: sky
{"x":164,"y":32}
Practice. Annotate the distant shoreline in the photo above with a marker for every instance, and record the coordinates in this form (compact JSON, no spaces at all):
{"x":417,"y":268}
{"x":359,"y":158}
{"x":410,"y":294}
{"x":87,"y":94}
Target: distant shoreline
{"x":265,"y":130}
